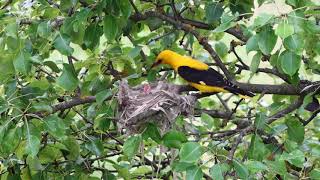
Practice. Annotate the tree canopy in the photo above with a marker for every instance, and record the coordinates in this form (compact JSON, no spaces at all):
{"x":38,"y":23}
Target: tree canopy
{"x":61,"y":63}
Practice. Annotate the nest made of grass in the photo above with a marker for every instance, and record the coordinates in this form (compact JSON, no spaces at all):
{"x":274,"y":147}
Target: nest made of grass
{"x":159,"y":103}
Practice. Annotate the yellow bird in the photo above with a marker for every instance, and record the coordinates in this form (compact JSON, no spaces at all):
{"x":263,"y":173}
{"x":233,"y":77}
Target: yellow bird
{"x":198,"y":74}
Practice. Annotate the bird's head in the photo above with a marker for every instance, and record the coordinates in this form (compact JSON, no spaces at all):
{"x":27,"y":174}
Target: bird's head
{"x":165,"y":57}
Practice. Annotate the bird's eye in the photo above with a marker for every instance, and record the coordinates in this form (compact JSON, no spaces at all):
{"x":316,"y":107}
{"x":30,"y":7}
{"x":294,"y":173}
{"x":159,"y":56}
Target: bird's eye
{"x":160,"y":61}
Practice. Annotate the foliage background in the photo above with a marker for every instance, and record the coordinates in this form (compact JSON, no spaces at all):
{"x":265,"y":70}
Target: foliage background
{"x":61,"y":62}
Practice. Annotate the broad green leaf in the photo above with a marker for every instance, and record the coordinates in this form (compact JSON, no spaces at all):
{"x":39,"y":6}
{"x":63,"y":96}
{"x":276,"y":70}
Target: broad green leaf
{"x":55,"y":126}
{"x":49,"y":154}
{"x":221,"y":49}
{"x":252,"y":44}
{"x":217,"y":171}
{"x":284,"y":29}
{"x":295,"y":158}
{"x":11,"y":30}
{"x":107,"y":175}
{"x":110,"y":27}
{"x":255,"y":62}
{"x":142,"y":170}
{"x":266,"y":40}
{"x":260,"y":120}
{"x":103,"y":95}
{"x":125,"y":7}
{"x":4,"y":106}
{"x":181,"y":166}
{"x":262,"y":19}
{"x":68,"y":79}
{"x":131,"y":146}
{"x":315,"y":174}
{"x":194,"y":173}
{"x":290,"y":62}
{"x":135,"y":52}
{"x":95,"y":146}
{"x":44,"y":29}
{"x":102,"y":124}
{"x":256,"y":166}
{"x":73,"y":146}
{"x":224,"y":26}
{"x":33,"y":144}
{"x":22,"y":62}
{"x":190,"y":152}
{"x":257,"y":149}
{"x":277,"y":166}
{"x":241,"y":169}
{"x":62,"y":44}
{"x":92,"y":35}
{"x":153,"y":132}
{"x":174,"y":139}
{"x":208,"y":120}
{"x":294,"y":43}
{"x":213,"y":11}
{"x":295,"y":130}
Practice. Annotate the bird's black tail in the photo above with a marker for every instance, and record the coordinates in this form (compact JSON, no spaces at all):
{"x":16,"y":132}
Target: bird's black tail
{"x":238,"y":91}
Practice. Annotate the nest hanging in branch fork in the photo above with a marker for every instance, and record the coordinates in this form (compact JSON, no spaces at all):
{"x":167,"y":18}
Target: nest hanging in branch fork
{"x":159,"y":103}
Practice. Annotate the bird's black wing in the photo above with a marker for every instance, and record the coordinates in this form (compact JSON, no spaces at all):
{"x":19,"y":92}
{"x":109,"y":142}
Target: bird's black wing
{"x":210,"y":77}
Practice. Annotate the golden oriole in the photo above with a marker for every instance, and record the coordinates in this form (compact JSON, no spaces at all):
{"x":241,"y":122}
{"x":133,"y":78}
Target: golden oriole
{"x":198,"y":74}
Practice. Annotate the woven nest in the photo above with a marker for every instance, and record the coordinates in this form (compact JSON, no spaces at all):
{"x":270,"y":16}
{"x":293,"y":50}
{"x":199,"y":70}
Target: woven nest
{"x":159,"y":103}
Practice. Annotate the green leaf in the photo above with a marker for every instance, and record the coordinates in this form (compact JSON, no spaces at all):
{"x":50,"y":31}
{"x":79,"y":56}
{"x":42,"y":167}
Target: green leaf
{"x":174,"y":139}
{"x":125,"y":7}
{"x":295,"y":130}
{"x":22,"y":63}
{"x":33,"y":143}
{"x":262,"y":19}
{"x":11,"y":30}
{"x":142,"y":170}
{"x":55,"y":126}
{"x":49,"y":154}
{"x":92,"y":35}
{"x":68,"y":79}
{"x":315,"y":174}
{"x":153,"y":132}
{"x":110,"y":27}
{"x":190,"y":152}
{"x":255,"y":62}
{"x":260,"y":120}
{"x":95,"y":146}
{"x":73,"y":146}
{"x":256,"y":166}
{"x":194,"y":173}
{"x":266,"y":40}
{"x":241,"y":170}
{"x":224,"y":26}
{"x":102,"y":96}
{"x":44,"y":29}
{"x":294,"y":43}
{"x":61,"y":43}
{"x":290,"y":62}
{"x":257,"y":149}
{"x":131,"y":146}
{"x":221,"y":49}
{"x":284,"y":29}
{"x":217,"y":171}
{"x":214,"y":11}
{"x":252,"y":44}
{"x":295,"y":158}
{"x":277,"y":166}
{"x":181,"y":166}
